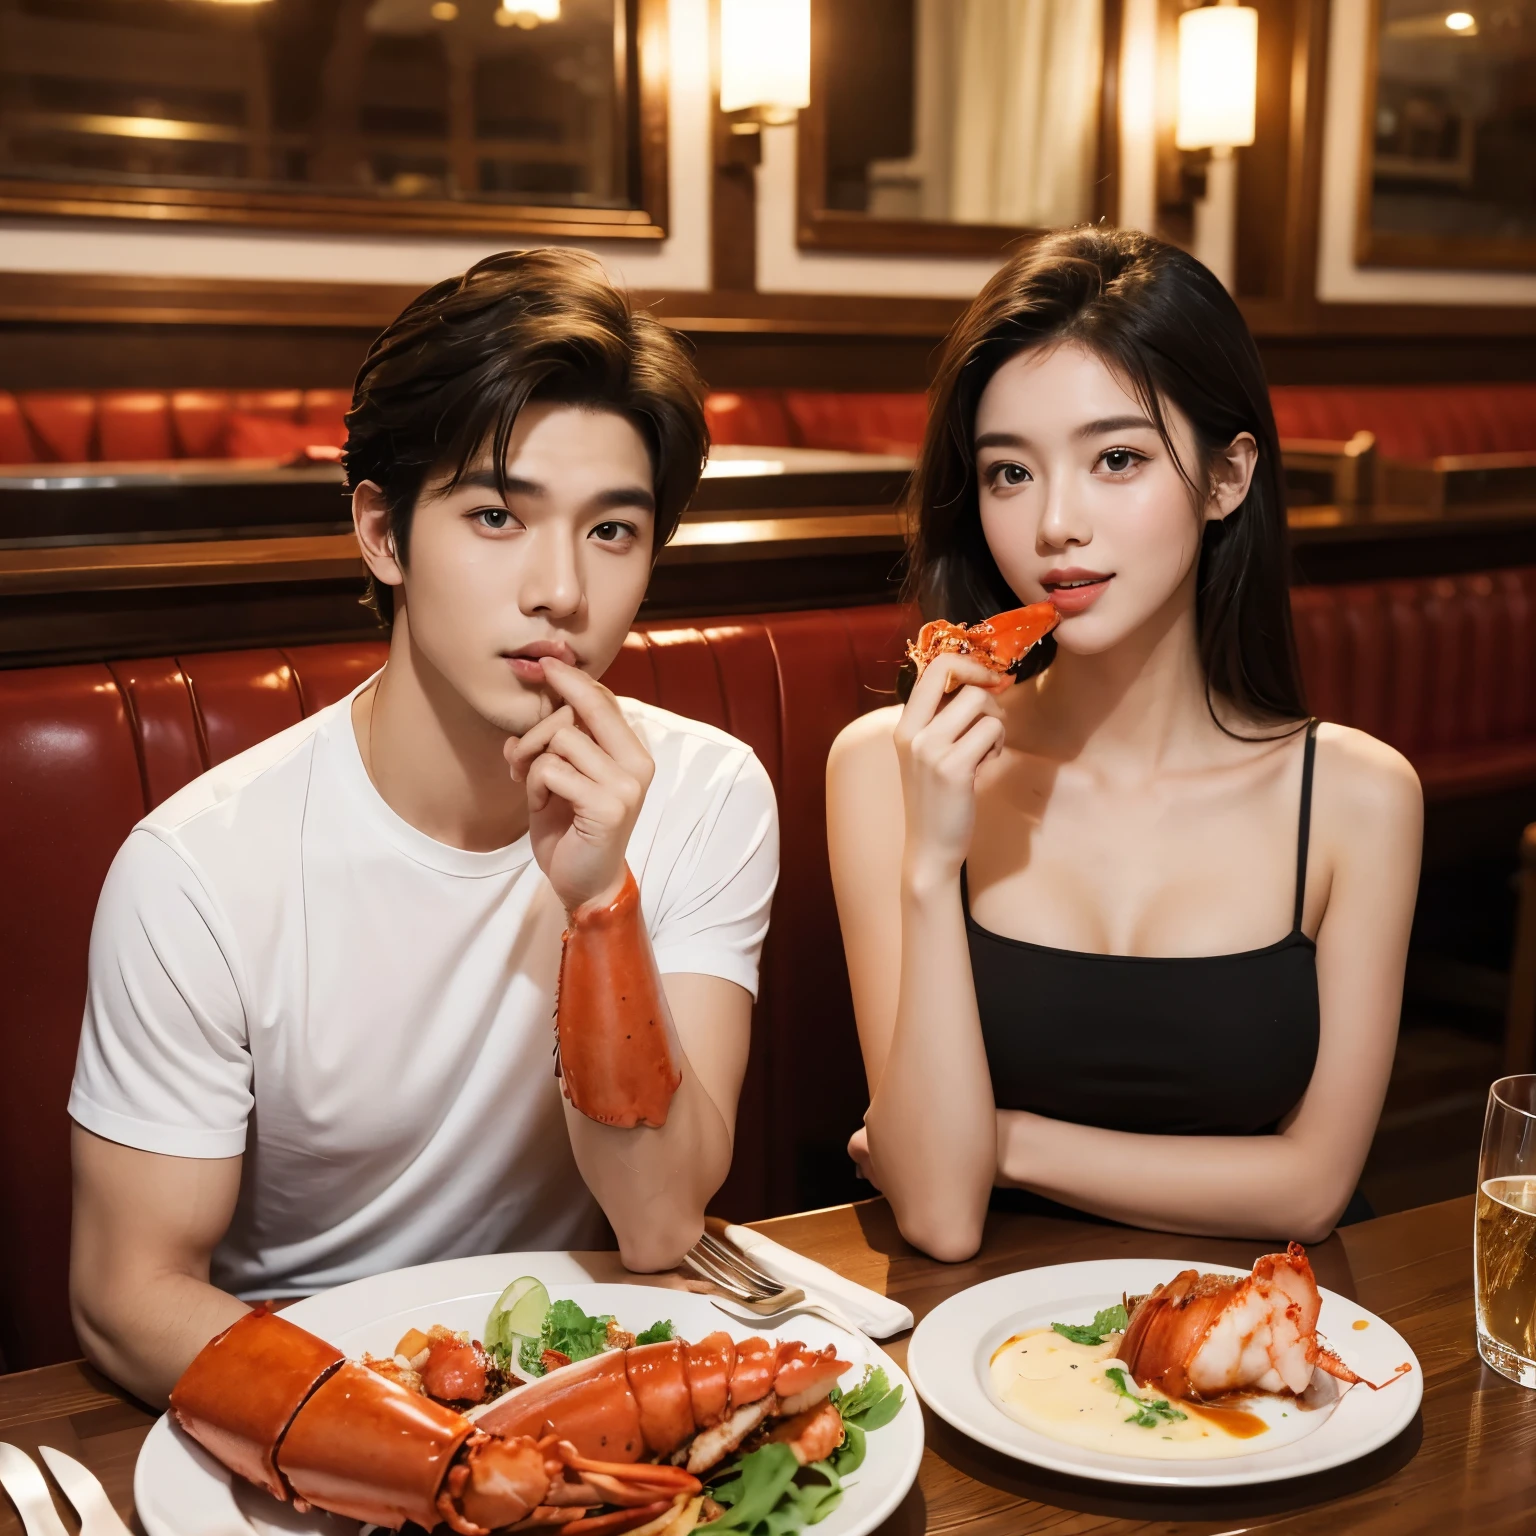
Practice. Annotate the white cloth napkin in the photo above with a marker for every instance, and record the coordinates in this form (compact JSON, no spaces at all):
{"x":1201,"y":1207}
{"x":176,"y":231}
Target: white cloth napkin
{"x":876,"y":1315}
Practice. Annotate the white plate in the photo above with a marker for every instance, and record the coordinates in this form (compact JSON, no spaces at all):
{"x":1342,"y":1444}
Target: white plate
{"x":179,"y":1490}
{"x":949,"y":1355}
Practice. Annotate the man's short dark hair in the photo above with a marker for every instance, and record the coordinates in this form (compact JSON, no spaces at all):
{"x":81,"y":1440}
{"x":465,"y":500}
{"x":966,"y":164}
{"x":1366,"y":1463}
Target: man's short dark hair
{"x":449,"y":376}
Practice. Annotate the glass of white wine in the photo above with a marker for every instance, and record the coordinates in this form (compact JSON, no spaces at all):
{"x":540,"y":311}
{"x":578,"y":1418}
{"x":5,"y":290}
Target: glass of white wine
{"x":1504,"y":1245}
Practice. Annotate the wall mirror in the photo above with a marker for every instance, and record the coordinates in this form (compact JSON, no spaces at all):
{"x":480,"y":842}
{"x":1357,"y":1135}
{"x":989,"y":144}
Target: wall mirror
{"x":1450,"y":136}
{"x":955,"y":126}
{"x":485,"y":116}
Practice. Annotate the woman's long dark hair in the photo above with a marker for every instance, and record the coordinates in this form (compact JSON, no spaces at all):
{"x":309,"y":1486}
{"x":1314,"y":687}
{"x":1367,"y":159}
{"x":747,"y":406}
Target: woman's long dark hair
{"x":1170,"y":329}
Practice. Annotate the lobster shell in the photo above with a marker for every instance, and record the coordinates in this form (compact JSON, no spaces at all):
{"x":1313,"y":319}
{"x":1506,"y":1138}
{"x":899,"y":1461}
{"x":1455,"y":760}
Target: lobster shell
{"x":616,"y":1064}
{"x":369,"y":1448}
{"x":241,"y":1393}
{"x":1000,"y":643}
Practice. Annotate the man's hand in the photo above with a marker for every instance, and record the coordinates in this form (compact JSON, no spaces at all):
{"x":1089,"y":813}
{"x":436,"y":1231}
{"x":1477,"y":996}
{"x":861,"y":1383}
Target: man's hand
{"x":586,"y":773}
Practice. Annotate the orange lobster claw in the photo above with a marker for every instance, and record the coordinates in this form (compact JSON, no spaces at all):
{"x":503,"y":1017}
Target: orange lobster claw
{"x":999,"y":643}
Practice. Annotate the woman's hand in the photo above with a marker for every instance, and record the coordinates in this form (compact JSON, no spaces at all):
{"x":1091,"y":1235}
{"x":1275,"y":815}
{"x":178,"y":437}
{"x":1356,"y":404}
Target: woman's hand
{"x":587,"y":773}
{"x":951,"y":726}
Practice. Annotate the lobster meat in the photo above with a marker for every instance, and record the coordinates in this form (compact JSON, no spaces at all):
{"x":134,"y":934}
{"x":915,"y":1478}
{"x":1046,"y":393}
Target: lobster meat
{"x":1199,"y":1336}
{"x":287,"y":1411}
{"x":613,"y":1056}
{"x":1000,"y":643}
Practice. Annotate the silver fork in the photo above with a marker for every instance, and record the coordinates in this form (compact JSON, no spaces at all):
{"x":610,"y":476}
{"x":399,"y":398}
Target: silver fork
{"x":727,"y":1267}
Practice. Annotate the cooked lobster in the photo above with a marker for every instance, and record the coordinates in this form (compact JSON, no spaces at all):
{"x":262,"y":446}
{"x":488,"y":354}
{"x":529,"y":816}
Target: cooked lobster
{"x":1000,"y":643}
{"x":1199,"y":1336}
{"x":613,"y":1055}
{"x":285,"y":1410}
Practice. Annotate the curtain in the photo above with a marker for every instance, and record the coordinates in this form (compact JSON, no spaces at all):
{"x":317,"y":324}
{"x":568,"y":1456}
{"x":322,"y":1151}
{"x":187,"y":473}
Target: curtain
{"x":1006,"y":112}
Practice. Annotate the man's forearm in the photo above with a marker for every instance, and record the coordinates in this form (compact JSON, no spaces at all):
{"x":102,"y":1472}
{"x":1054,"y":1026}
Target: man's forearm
{"x":143,"y":1332}
{"x":653,"y":1185}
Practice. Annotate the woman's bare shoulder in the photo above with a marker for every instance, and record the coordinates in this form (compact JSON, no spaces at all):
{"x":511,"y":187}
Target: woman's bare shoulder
{"x":865,"y":745}
{"x":1369,"y":787}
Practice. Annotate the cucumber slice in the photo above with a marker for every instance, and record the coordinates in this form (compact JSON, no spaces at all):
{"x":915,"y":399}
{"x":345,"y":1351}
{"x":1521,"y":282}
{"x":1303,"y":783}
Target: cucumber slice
{"x":519,"y":1310}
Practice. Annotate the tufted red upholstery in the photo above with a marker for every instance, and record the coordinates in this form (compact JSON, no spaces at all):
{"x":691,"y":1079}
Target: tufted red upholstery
{"x":1413,"y":421}
{"x":1444,"y":669}
{"x":82,"y":426}
{"x":85,"y":750}
{"x":1410,"y":421}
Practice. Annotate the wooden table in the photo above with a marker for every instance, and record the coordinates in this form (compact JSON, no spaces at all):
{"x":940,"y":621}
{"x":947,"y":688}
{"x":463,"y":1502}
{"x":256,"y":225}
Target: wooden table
{"x":1466,"y":1464}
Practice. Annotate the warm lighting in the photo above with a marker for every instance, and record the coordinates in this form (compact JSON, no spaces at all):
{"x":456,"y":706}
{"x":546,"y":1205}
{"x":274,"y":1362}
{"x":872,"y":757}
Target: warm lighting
{"x":765,"y":58}
{"x":444,"y":10}
{"x":1461,"y":21}
{"x":527,"y":13}
{"x":1218,"y":69}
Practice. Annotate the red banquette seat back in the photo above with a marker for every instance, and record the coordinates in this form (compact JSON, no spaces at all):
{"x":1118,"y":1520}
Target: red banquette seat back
{"x":74,"y":426}
{"x":126,"y":425}
{"x":1411,"y":421}
{"x":86,"y":750}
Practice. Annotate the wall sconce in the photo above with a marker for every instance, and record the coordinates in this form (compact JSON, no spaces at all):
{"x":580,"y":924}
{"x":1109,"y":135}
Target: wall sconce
{"x":1218,"y":79}
{"x":527,"y":13}
{"x":765,"y":61}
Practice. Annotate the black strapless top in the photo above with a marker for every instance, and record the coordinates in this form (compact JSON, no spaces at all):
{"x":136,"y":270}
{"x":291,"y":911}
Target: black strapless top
{"x":1218,"y":1045}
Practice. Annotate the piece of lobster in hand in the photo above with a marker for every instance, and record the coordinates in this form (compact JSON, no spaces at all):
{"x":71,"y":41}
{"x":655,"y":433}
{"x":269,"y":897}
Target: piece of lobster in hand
{"x":1200,"y":1336}
{"x":611,"y":1018}
{"x":1000,"y":643}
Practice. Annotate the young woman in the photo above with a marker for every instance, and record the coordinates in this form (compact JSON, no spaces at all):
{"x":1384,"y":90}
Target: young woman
{"x":1128,"y":933}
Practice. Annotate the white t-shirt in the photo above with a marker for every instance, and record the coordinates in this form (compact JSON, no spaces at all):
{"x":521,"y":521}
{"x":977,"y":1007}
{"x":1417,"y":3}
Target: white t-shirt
{"x":282,"y":967}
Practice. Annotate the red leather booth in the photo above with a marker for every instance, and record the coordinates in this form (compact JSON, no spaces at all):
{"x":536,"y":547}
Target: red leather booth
{"x":1413,"y":422}
{"x":128,"y":425}
{"x":1443,"y":669}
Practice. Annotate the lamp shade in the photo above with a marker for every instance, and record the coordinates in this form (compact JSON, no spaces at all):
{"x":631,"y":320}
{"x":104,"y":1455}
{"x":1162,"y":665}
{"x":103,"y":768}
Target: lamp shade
{"x":765,"y":57}
{"x":1218,"y":70}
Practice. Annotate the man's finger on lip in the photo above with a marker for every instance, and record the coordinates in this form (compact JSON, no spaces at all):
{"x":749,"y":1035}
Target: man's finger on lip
{"x":598,"y":710}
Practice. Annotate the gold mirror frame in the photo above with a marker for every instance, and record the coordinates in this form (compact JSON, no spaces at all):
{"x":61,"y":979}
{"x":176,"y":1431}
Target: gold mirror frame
{"x":820,"y":228}
{"x":641,"y":67}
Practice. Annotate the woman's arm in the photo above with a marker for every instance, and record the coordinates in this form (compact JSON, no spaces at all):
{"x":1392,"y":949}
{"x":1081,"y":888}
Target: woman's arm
{"x":1367,"y":830}
{"x":900,"y":807}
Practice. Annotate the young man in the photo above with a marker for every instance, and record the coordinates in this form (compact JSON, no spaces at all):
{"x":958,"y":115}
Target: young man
{"x":318,"y":1037}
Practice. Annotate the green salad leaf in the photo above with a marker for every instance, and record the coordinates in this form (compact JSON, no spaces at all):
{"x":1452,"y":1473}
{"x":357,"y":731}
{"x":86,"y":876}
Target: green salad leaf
{"x":568,"y":1330}
{"x":658,"y":1333}
{"x":1110,"y":1320}
{"x":769,"y":1494}
{"x":1151,"y":1412}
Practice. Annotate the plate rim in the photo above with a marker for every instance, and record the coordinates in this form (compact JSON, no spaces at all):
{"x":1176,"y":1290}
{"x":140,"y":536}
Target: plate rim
{"x":886,"y":1496}
{"x":1226,"y":1473}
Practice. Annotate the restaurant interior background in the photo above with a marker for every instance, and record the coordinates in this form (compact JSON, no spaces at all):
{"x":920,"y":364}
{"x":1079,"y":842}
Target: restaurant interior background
{"x":208,"y":208}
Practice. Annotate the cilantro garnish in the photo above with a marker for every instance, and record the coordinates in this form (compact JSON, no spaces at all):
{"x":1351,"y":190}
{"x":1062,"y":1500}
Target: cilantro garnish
{"x":1151,"y":1413}
{"x":1110,"y":1320}
{"x":567,"y":1330}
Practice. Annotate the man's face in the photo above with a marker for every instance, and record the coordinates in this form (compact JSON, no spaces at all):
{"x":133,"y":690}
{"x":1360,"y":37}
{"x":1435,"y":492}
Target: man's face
{"x":558,"y":568}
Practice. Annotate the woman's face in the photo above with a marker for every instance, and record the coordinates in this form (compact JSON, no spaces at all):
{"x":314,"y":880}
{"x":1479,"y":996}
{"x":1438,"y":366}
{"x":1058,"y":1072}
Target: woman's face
{"x":1081,"y":501}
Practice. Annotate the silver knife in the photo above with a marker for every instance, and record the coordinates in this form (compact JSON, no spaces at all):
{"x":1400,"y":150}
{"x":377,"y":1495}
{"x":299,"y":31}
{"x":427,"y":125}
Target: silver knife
{"x":29,"y":1493}
{"x":83,"y":1489}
